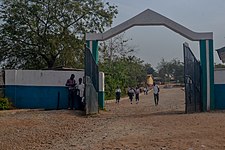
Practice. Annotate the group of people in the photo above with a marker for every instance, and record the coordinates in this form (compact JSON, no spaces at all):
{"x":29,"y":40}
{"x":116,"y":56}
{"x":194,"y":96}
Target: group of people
{"x":131,"y":92}
{"x":76,"y":93}
{"x":136,"y":92}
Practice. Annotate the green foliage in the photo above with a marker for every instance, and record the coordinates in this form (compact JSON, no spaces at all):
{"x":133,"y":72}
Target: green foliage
{"x":5,"y":104}
{"x":219,"y":66}
{"x":124,"y":73}
{"x":149,"y":69}
{"x":38,"y":34}
{"x":172,"y":70}
{"x":120,"y":66}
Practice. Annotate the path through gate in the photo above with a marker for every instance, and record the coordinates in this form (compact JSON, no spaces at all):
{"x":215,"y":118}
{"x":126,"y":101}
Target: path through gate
{"x":91,"y":83}
{"x":205,"y":39}
{"x":192,"y":81}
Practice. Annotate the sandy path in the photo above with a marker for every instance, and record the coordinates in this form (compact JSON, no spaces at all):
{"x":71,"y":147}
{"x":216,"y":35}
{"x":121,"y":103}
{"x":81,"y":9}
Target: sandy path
{"x":121,"y":126}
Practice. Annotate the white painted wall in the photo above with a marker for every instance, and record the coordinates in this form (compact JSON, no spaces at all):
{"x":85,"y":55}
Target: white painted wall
{"x":40,"y":77}
{"x":45,"y":77}
{"x":219,"y":76}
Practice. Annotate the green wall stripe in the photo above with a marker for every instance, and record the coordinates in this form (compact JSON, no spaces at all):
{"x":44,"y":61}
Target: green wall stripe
{"x":203,"y":74}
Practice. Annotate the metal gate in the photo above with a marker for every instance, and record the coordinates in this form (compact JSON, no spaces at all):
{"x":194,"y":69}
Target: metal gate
{"x":91,"y":83}
{"x":192,"y":81}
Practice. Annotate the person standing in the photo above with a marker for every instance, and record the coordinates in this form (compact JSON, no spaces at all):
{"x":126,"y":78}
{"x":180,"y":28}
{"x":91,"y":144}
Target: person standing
{"x":71,"y":84}
{"x":137,"y":92}
{"x":118,"y":94}
{"x":80,"y":94}
{"x":156,"y":93}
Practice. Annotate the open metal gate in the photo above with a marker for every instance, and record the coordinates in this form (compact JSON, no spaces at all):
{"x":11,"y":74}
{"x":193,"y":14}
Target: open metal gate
{"x":91,"y":83}
{"x":192,"y":81}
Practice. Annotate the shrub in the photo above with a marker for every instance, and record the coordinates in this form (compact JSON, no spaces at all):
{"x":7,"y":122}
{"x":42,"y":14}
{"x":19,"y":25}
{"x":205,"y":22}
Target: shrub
{"x":5,"y":104}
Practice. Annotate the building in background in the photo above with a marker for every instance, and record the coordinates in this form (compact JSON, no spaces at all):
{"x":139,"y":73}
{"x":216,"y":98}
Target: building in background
{"x":221,"y":53}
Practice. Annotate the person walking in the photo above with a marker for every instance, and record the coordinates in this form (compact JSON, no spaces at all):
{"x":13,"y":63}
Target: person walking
{"x":71,"y":84}
{"x":118,"y":94}
{"x":156,"y":93}
{"x":145,"y":91}
{"x":131,"y":94}
{"x":137,"y":92}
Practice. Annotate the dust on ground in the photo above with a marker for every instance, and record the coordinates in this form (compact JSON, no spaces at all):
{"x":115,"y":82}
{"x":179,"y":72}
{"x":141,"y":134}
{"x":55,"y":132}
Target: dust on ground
{"x":141,"y":126}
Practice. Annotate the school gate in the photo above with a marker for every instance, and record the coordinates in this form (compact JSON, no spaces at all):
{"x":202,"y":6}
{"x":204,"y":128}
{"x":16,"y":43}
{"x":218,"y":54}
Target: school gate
{"x":151,"y":18}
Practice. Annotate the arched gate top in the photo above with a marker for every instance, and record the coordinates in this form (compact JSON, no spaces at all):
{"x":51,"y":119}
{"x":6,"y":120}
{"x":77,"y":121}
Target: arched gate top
{"x":150,"y":18}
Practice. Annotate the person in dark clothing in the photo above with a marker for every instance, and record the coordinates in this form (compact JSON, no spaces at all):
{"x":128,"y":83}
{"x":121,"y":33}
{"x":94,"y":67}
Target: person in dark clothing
{"x":71,"y":84}
{"x":131,"y":94}
{"x":118,"y":93}
{"x":137,"y":92}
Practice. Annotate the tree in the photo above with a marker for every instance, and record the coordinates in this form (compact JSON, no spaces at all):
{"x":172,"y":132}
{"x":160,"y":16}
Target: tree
{"x":173,"y":69}
{"x":37,"y":34}
{"x":149,"y":69}
{"x":219,"y":65}
{"x":115,"y":47}
{"x":120,"y":66}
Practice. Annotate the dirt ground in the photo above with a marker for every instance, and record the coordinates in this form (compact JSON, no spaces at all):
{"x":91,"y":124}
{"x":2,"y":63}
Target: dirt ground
{"x":141,"y":126}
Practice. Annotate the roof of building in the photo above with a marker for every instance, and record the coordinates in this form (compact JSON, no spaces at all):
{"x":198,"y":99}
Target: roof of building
{"x":221,"y":53}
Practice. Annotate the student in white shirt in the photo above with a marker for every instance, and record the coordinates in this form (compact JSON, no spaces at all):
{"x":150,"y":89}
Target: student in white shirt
{"x":118,"y":94}
{"x":80,"y":94}
{"x":156,"y":93}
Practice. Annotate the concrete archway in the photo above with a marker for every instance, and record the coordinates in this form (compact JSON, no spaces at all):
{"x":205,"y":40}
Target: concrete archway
{"x":151,"y":18}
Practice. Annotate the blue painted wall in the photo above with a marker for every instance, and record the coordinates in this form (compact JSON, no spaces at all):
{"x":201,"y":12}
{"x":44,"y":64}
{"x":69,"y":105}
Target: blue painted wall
{"x":44,"y":97}
{"x":219,"y":90}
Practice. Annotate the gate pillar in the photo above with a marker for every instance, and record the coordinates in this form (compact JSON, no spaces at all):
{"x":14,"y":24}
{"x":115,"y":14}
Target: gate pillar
{"x":93,"y":46}
{"x":207,"y":74}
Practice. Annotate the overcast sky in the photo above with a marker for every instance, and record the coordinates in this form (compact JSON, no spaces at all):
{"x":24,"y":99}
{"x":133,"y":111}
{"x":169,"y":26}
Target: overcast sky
{"x":156,"y":42}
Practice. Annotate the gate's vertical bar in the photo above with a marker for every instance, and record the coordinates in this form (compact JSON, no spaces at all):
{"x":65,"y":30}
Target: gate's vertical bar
{"x":184,"y":51}
{"x":203,"y":74}
{"x":211,"y":65}
{"x":85,"y":75}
